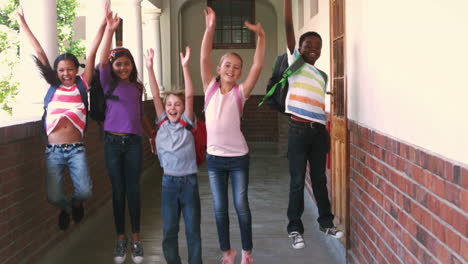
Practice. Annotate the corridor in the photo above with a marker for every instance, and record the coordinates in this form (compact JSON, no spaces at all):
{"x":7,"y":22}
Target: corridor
{"x":268,"y":192}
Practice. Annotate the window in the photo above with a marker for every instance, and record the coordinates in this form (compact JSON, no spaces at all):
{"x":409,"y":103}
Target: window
{"x":230,"y":29}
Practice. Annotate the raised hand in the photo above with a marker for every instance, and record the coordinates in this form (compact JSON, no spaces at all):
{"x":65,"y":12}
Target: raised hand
{"x":20,"y":13}
{"x":257,"y":28}
{"x":185,"y":59}
{"x":113,"y":20}
{"x":149,"y":58}
{"x":210,"y":17}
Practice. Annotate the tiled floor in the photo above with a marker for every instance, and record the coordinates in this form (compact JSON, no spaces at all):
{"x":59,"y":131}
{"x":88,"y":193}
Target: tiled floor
{"x":268,"y":195}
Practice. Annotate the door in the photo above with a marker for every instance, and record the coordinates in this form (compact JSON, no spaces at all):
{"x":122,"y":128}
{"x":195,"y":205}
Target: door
{"x":339,"y":144}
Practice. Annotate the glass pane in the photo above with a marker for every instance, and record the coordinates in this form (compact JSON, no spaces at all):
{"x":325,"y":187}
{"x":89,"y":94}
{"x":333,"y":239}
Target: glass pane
{"x":227,"y":36}
{"x":217,"y":37}
{"x":236,"y":22}
{"x":226,"y":23}
{"x":236,"y":36}
{"x":246,"y":36}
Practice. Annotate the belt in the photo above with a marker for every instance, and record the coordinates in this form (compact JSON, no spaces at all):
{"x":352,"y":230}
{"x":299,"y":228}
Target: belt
{"x":79,"y":144}
{"x":310,"y":124}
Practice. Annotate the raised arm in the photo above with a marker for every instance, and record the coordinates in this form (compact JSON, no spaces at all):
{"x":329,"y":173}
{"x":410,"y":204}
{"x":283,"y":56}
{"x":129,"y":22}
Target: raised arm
{"x":158,"y":104}
{"x":288,"y":22}
{"x":259,"y":56}
{"x":91,"y":57}
{"x":113,"y":21}
{"x":40,"y":53}
{"x":188,"y":83}
{"x":206,"y":46}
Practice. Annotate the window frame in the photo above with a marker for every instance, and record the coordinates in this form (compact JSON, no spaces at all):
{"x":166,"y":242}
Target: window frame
{"x":232,"y":45}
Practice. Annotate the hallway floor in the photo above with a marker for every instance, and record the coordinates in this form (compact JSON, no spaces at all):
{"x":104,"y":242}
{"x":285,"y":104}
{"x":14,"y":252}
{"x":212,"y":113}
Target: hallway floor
{"x":268,"y":196}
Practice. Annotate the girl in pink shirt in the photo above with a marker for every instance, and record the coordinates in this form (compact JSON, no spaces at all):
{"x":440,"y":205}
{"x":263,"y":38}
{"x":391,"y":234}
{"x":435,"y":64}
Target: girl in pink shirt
{"x":227,"y":151}
{"x":65,"y":123}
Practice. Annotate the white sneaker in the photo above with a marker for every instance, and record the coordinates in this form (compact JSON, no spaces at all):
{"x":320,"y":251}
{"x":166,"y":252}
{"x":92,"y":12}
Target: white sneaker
{"x":297,"y":240}
{"x":332,"y":231}
{"x":137,"y":252}
{"x":120,"y":251}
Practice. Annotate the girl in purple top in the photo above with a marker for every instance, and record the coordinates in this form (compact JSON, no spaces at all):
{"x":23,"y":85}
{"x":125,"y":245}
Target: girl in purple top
{"x":123,"y":128}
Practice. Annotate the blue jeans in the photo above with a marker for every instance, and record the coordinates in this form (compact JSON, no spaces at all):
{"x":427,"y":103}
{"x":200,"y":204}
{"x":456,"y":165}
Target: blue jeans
{"x":219,"y":171}
{"x":306,"y":143}
{"x":180,"y":194}
{"x":57,"y":159}
{"x":124,"y":157}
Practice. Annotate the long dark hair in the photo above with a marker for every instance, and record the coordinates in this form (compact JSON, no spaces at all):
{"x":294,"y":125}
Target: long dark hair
{"x":121,"y":52}
{"x":49,"y":73}
{"x":115,"y":54}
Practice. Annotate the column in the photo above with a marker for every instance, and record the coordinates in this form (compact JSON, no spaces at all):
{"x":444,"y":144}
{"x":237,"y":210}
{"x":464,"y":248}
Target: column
{"x":94,"y":17}
{"x":153,"y":40}
{"x":41,"y":17}
{"x":132,"y":33}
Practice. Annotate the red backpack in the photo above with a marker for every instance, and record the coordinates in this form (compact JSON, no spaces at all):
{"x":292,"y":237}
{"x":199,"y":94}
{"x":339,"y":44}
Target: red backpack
{"x":199,"y":136}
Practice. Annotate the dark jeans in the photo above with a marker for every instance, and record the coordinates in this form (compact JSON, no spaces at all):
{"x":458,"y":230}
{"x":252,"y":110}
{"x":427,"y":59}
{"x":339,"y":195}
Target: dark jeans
{"x":307,"y":143}
{"x":180,"y":194}
{"x":124,"y":161}
{"x":219,"y":171}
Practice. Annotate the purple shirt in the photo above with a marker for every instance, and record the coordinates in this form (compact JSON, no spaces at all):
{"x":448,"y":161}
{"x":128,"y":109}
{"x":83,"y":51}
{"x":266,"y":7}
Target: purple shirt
{"x":124,"y":114}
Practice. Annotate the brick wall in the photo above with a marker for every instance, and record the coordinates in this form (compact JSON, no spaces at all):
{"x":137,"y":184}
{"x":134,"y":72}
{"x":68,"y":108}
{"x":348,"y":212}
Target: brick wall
{"x":28,"y":224}
{"x":405,"y":202}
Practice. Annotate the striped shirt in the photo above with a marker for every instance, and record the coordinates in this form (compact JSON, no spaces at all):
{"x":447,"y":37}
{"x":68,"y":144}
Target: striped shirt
{"x":306,"y":94}
{"x":67,"y":102}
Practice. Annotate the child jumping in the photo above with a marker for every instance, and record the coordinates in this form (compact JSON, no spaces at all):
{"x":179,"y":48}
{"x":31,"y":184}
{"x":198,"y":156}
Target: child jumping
{"x":176,"y":152}
{"x":124,"y":127}
{"x":308,"y":137}
{"x":65,"y":124}
{"x":227,"y":150}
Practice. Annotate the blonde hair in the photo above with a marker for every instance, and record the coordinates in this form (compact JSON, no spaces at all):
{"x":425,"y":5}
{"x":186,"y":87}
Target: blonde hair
{"x":177,"y":93}
{"x":230,"y":53}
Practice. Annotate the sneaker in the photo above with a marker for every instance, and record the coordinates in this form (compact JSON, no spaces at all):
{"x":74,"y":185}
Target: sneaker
{"x":77,"y":213}
{"x":229,"y":258}
{"x":297,"y":240}
{"x":64,"y":220}
{"x":246,"y":258}
{"x":137,"y":252}
{"x":120,"y":251}
{"x":332,"y":231}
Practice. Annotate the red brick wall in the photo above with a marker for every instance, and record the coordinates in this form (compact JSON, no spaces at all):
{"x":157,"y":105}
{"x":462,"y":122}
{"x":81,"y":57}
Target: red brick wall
{"x":405,"y":203}
{"x":28,"y":224}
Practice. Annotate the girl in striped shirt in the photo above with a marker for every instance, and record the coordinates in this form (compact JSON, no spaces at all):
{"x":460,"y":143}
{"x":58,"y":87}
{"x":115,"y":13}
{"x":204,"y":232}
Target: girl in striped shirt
{"x":65,"y":123}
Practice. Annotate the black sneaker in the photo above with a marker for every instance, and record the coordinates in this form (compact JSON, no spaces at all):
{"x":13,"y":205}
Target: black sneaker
{"x":137,"y":252}
{"x":297,"y":240}
{"x":77,"y":213}
{"x":332,"y":231}
{"x":120,"y":251}
{"x":64,"y":220}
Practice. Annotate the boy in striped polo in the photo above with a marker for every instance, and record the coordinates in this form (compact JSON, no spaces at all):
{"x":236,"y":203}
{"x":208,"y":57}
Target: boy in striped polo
{"x":308,"y":139}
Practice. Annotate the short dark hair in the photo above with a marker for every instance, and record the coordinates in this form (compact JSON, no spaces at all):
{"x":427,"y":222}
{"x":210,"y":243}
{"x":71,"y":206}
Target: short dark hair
{"x":309,"y":34}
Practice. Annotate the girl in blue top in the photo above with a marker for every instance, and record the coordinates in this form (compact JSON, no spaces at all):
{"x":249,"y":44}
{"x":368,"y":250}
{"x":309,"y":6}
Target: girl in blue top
{"x":176,"y":152}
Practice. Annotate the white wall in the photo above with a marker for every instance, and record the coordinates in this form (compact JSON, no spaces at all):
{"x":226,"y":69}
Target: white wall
{"x":319,"y":23}
{"x":406,"y":63}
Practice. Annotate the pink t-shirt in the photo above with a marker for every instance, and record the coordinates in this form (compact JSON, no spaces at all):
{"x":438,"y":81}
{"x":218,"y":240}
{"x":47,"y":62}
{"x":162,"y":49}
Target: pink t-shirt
{"x":67,"y":103}
{"x":222,"y":116}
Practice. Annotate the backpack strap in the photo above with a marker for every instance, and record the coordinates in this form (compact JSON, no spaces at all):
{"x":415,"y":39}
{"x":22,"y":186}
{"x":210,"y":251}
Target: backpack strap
{"x":210,"y":93}
{"x":290,"y":71}
{"x":212,"y":90}
{"x":182,"y":122}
